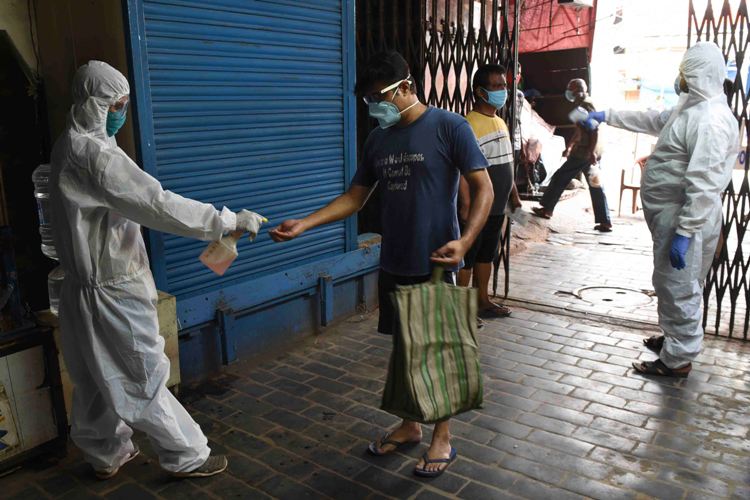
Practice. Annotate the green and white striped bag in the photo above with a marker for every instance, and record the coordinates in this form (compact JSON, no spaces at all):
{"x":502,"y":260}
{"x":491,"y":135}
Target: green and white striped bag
{"x":434,"y":369}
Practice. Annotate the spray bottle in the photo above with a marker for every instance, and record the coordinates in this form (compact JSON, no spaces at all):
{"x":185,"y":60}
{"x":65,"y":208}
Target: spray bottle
{"x":219,"y":255}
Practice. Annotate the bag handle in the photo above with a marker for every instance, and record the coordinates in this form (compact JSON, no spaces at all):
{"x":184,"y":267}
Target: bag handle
{"x":437,"y":274}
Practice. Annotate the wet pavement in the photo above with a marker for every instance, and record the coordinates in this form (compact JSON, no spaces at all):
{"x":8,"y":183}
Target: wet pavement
{"x":564,"y":415}
{"x":605,"y":276}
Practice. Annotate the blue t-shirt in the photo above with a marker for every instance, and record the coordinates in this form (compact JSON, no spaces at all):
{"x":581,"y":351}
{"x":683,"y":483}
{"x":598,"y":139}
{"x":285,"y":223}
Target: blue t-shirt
{"x":418,"y":167}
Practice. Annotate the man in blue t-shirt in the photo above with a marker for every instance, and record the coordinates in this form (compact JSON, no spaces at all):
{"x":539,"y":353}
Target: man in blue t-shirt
{"x":417,"y":156}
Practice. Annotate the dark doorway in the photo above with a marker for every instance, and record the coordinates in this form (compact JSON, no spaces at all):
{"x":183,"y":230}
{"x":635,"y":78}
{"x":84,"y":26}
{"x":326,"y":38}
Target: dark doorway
{"x":23,"y":146}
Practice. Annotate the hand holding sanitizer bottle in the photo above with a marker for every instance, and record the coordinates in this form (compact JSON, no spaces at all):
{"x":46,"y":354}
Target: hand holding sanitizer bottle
{"x":577,"y":115}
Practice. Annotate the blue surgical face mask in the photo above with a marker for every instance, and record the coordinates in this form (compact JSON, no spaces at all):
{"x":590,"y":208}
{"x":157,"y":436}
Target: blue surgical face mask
{"x":115,"y":120}
{"x":386,"y":113}
{"x":496,"y":98}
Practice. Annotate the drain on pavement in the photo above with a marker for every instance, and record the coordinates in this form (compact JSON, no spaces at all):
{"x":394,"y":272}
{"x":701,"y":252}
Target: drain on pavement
{"x":613,"y":296}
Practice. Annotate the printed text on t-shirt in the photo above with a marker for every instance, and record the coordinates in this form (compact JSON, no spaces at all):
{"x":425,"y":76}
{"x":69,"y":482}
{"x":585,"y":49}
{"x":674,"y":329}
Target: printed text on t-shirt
{"x":396,"y":171}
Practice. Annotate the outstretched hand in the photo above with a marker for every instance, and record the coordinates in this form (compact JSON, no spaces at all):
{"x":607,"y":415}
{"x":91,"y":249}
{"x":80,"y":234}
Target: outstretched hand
{"x":288,"y":230}
{"x":599,"y":116}
{"x":593,"y":120}
{"x":249,"y":222}
{"x":450,"y":254}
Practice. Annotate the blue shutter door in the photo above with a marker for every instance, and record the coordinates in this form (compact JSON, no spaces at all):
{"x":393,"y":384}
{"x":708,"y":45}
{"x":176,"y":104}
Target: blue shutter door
{"x":248,"y":109}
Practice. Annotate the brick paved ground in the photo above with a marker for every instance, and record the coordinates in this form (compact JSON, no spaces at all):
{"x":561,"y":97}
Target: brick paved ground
{"x":575,"y":256}
{"x":563,"y":418}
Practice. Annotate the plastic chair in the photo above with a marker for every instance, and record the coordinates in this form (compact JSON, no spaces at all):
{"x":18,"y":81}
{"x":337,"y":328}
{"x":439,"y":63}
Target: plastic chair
{"x":632,"y":182}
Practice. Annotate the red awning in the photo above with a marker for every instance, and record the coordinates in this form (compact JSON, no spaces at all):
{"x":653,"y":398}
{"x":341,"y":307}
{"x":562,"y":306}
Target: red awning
{"x":547,"y":26}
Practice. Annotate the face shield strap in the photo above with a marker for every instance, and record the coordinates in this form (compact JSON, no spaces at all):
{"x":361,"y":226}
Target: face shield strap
{"x":395,"y":85}
{"x":376,"y":97}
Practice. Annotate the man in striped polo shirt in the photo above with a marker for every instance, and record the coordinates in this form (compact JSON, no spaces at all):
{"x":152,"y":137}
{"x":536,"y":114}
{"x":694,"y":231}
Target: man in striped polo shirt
{"x":490,"y":90}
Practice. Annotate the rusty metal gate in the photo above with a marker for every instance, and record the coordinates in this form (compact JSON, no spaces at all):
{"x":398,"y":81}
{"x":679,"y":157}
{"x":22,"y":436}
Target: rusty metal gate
{"x":727,"y":289}
{"x":444,"y":42}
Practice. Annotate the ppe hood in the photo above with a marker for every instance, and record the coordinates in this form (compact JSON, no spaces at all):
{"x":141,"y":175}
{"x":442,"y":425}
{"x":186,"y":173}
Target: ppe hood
{"x":704,"y":70}
{"x":96,"y":86}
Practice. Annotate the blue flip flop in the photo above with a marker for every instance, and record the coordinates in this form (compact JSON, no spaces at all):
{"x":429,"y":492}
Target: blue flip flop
{"x":385,"y":440}
{"x":427,"y":461}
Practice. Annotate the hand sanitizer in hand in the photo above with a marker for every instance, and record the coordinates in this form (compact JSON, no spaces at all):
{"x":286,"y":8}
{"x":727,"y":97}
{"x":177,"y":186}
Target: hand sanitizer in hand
{"x":578,"y":115}
{"x":219,"y":255}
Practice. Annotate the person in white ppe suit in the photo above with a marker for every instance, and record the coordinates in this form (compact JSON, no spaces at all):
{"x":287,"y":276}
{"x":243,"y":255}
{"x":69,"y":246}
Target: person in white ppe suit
{"x":109,"y":329}
{"x":681,"y":192}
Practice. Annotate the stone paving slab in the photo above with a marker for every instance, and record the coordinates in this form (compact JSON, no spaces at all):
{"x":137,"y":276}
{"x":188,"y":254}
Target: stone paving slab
{"x":574,"y":256}
{"x":564,"y":417}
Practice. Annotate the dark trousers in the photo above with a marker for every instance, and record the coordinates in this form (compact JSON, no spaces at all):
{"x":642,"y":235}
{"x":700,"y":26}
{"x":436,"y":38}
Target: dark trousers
{"x":562,"y":178}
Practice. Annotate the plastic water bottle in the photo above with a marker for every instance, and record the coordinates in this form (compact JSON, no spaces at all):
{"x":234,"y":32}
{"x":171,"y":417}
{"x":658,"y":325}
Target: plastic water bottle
{"x":41,"y":193}
{"x":54,"y":285}
{"x":578,"y":115}
{"x":581,"y":116}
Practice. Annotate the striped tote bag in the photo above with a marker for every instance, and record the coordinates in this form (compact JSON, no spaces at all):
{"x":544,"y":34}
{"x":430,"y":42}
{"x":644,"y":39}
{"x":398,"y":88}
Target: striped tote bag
{"x":434,"y":369}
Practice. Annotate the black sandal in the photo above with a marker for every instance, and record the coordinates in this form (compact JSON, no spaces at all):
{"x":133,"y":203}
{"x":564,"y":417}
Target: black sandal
{"x":654,"y":343}
{"x":658,"y":368}
{"x":421,"y":472}
{"x":496,"y":311}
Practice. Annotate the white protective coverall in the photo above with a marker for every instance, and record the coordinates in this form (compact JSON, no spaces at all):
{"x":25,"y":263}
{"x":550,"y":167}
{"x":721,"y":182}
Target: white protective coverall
{"x":110,"y":334}
{"x":681,"y":192}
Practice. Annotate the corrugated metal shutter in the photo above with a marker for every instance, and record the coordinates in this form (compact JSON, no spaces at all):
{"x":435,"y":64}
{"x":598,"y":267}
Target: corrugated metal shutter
{"x":248,"y":111}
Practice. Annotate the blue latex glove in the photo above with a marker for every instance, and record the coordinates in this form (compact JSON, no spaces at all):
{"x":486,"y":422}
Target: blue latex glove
{"x":592,"y":122}
{"x":589,"y":124}
{"x":679,"y":248}
{"x":599,"y":116}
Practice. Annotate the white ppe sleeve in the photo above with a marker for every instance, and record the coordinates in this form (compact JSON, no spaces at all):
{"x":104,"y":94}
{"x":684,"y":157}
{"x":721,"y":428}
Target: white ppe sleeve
{"x":706,"y":176}
{"x":139,"y":197}
{"x":646,"y":122}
